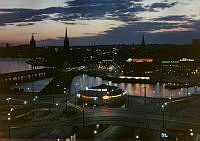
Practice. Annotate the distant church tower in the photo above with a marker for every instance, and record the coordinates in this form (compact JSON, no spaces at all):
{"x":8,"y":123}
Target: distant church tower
{"x":143,"y":42}
{"x":66,"y":42}
{"x":32,"y":42}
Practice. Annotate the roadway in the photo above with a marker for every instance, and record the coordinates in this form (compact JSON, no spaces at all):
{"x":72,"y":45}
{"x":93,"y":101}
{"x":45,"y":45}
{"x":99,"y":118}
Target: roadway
{"x":148,"y":116}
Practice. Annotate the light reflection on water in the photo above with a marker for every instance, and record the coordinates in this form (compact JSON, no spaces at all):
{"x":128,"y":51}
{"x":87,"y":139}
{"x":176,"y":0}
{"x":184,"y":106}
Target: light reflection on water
{"x":35,"y":86}
{"x":152,"y":90}
{"x":14,"y":65}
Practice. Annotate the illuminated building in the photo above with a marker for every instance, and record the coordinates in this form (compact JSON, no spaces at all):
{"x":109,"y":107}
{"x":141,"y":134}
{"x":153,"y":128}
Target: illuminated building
{"x":102,"y":95}
{"x":140,"y":66}
{"x":183,"y":66}
{"x":196,"y":42}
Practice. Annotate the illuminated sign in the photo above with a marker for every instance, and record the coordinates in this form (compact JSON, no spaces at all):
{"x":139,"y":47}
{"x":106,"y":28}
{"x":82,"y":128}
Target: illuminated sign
{"x":85,"y":97}
{"x":186,"y":60}
{"x":142,"y":60}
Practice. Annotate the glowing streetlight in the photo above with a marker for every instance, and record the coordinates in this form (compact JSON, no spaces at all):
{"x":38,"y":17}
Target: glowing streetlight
{"x":95,"y":131}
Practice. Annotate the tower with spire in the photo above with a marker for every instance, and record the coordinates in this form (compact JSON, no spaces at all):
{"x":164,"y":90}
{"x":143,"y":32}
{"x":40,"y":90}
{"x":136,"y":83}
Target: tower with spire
{"x":66,"y":41}
{"x":32,"y":42}
{"x":143,"y":42}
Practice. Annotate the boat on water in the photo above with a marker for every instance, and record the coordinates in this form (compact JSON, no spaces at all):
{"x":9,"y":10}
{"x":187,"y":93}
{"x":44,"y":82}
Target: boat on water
{"x":102,"y":95}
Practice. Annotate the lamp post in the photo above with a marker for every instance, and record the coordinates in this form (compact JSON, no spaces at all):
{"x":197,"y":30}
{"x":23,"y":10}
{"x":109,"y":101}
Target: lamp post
{"x":163,"y":117}
{"x":66,"y":99}
{"x":171,"y":102}
{"x":145,"y":94}
{"x":163,"y":132}
{"x":128,"y":100}
{"x":9,"y":118}
{"x":83,"y":111}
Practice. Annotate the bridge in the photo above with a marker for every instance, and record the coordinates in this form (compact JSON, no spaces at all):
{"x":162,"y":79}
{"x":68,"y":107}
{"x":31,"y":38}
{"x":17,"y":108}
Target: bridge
{"x":7,"y":79}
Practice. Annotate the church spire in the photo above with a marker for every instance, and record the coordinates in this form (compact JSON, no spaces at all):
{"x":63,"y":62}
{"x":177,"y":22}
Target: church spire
{"x":32,"y":41}
{"x":66,"y":33}
{"x":143,"y":41}
{"x":66,"y":41}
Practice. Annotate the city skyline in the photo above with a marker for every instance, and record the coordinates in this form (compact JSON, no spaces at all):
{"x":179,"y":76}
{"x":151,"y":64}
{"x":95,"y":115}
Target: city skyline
{"x":100,"y":22}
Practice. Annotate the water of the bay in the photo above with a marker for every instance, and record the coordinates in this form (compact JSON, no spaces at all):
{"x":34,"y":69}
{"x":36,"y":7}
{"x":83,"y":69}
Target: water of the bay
{"x":152,"y":90}
{"x":8,"y":65}
{"x":82,"y":81}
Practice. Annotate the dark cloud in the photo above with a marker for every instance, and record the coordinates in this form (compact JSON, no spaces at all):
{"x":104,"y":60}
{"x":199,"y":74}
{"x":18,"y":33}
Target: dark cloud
{"x":21,"y":15}
{"x":174,"y":18}
{"x":163,"y":5}
{"x":122,"y":10}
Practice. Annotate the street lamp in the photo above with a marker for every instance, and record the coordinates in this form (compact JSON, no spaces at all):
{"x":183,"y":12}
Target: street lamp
{"x":25,"y":102}
{"x":163,"y":117}
{"x":145,"y":94}
{"x":83,"y":111}
{"x":66,"y":102}
{"x":163,"y":133}
{"x":9,"y":118}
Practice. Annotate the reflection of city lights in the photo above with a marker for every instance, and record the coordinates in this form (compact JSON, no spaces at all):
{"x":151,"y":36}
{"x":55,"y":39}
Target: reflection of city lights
{"x":106,"y":97}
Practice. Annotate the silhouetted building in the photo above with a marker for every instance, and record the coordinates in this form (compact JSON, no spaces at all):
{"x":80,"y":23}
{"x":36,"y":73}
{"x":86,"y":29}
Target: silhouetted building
{"x":143,"y":42}
{"x":196,"y":42}
{"x":7,"y":45}
{"x":32,"y":42}
{"x":66,"y":42}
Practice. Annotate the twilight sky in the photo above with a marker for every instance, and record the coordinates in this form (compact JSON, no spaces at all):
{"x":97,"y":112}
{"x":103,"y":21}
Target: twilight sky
{"x":99,"y":21}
